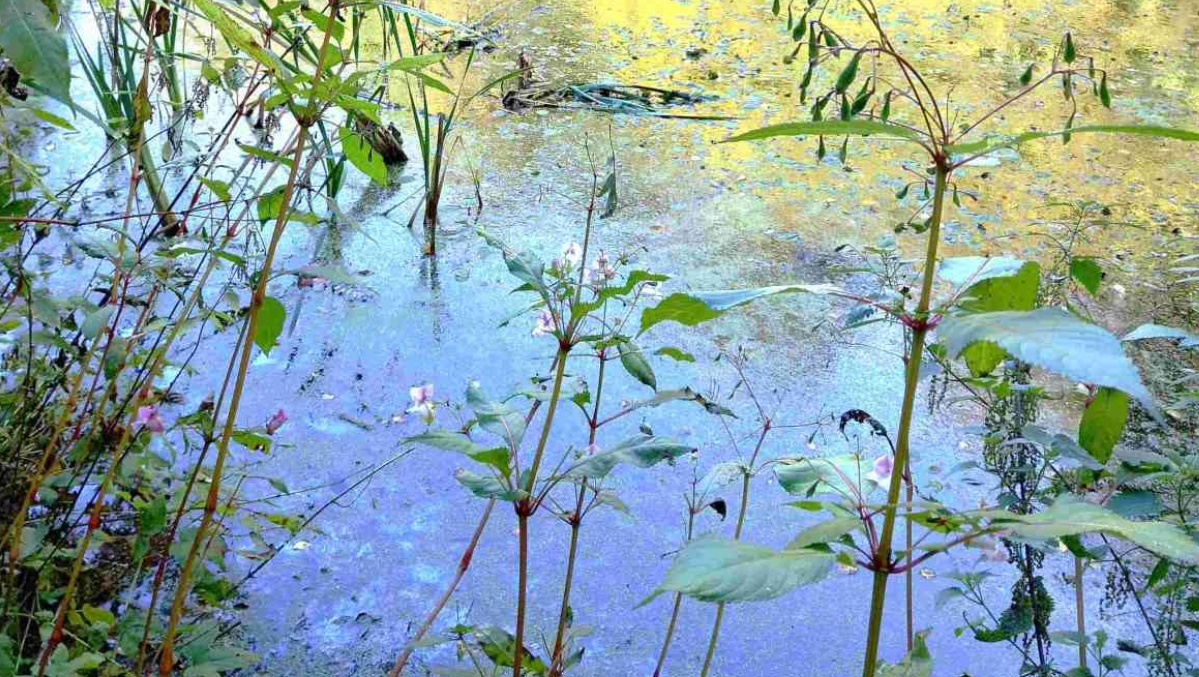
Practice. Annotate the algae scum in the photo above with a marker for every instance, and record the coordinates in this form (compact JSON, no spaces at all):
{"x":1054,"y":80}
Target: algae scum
{"x":344,"y":597}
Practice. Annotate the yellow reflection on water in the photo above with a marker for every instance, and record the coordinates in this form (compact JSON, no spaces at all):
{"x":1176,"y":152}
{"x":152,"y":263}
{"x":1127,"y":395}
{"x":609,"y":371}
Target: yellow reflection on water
{"x":971,"y":52}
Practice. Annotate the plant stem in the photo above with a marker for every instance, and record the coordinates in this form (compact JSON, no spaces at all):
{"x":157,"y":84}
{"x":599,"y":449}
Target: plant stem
{"x":463,"y":565}
{"x":1080,"y":610}
{"x":715,"y":637}
{"x":678,"y":605}
{"x":167,"y":660}
{"x":526,"y":506}
{"x":882,"y":556}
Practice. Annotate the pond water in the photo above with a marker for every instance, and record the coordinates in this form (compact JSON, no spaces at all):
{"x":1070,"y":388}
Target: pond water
{"x":343,"y":601}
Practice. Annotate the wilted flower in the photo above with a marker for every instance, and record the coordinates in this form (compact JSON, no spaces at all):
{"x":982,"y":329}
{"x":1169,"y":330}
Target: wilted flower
{"x":883,"y":467}
{"x":276,"y":422}
{"x":422,"y":402}
{"x":545,"y":324}
{"x":150,"y":419}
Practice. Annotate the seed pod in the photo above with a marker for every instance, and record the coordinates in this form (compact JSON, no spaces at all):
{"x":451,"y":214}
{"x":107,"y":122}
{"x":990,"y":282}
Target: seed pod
{"x":847,"y":76}
{"x":1026,"y":77}
{"x":1068,"y":53}
{"x":1105,"y":95}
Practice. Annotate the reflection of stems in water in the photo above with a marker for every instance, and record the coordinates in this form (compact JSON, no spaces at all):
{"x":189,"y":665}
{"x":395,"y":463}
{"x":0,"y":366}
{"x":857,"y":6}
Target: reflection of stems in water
{"x":429,"y":274}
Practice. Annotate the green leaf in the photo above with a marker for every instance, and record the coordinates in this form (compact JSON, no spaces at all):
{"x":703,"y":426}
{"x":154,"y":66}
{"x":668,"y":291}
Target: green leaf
{"x":498,"y":457}
{"x":1135,"y":504}
{"x":236,"y":34}
{"x":918,"y":662}
{"x":847,"y":76}
{"x":1105,"y":95}
{"x":1069,"y":517}
{"x":675,"y":354}
{"x":525,"y":267}
{"x":488,"y":486}
{"x":1052,"y":339}
{"x":360,"y":154}
{"x":830,"y":128}
{"x":698,"y":307}
{"x":495,"y":417}
{"x":270,"y":324}
{"x":39,"y":52}
{"x":1026,"y":76}
{"x":1103,"y":423}
{"x":963,"y":270}
{"x":1011,"y":292}
{"x":998,"y":143}
{"x":219,"y":188}
{"x":642,"y":451}
{"x":1086,"y":272}
{"x":1069,"y":53}
{"x":634,"y":362}
{"x":97,"y":321}
{"x":718,"y":570}
{"x":152,"y":517}
{"x":500,"y":646}
{"x":845,"y":475}
{"x":269,"y":205}
{"x":825,"y":532}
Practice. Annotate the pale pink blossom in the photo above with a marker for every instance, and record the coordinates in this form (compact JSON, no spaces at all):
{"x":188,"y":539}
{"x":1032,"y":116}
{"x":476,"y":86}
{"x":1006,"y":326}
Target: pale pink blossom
{"x":150,"y":419}
{"x":593,"y":449}
{"x":883,"y":467}
{"x":992,"y":552}
{"x":601,"y":271}
{"x":422,"y":402}
{"x":545,"y":324}
{"x":276,"y":422}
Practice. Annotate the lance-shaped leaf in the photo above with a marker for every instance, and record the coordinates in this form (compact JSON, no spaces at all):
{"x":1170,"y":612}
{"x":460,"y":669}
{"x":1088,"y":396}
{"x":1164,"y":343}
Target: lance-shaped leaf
{"x":496,"y":417}
{"x":1052,"y":339}
{"x":962,"y":270}
{"x":641,"y":451}
{"x":1102,"y":423}
{"x":525,"y":267}
{"x":690,"y":309}
{"x":881,"y":130}
{"x":633,"y":360}
{"x":990,"y":145}
{"x":719,"y":570}
{"x":1068,"y":517}
{"x":497,"y":457}
{"x":825,"y":532}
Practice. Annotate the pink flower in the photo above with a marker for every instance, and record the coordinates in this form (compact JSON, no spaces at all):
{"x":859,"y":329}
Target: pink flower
{"x":422,"y":402}
{"x":572,"y":255}
{"x":883,"y":467}
{"x":276,"y":422}
{"x":602,"y":271}
{"x":150,"y":419}
{"x":992,"y":552}
{"x":545,"y":324}
{"x":593,"y":449}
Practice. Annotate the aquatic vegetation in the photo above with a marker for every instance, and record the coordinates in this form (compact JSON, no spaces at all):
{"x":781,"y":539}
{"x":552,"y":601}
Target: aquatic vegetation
{"x":132,"y":515}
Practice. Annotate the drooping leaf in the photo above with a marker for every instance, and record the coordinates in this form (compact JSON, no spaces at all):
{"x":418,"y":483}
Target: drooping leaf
{"x":962,"y":270}
{"x":642,"y":451}
{"x":1052,"y":339}
{"x":830,"y":128}
{"x":720,"y":475}
{"x":1087,"y":272}
{"x":525,"y":267}
{"x":718,"y":570}
{"x":1135,"y":504}
{"x":1103,"y":423}
{"x":270,"y":324}
{"x":1069,"y":52}
{"x":28,"y":38}
{"x":1026,"y":76}
{"x":1105,"y":94}
{"x":237,"y":35}
{"x":675,"y":354}
{"x":634,"y":362}
{"x":847,"y":76}
{"x":698,"y":307}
